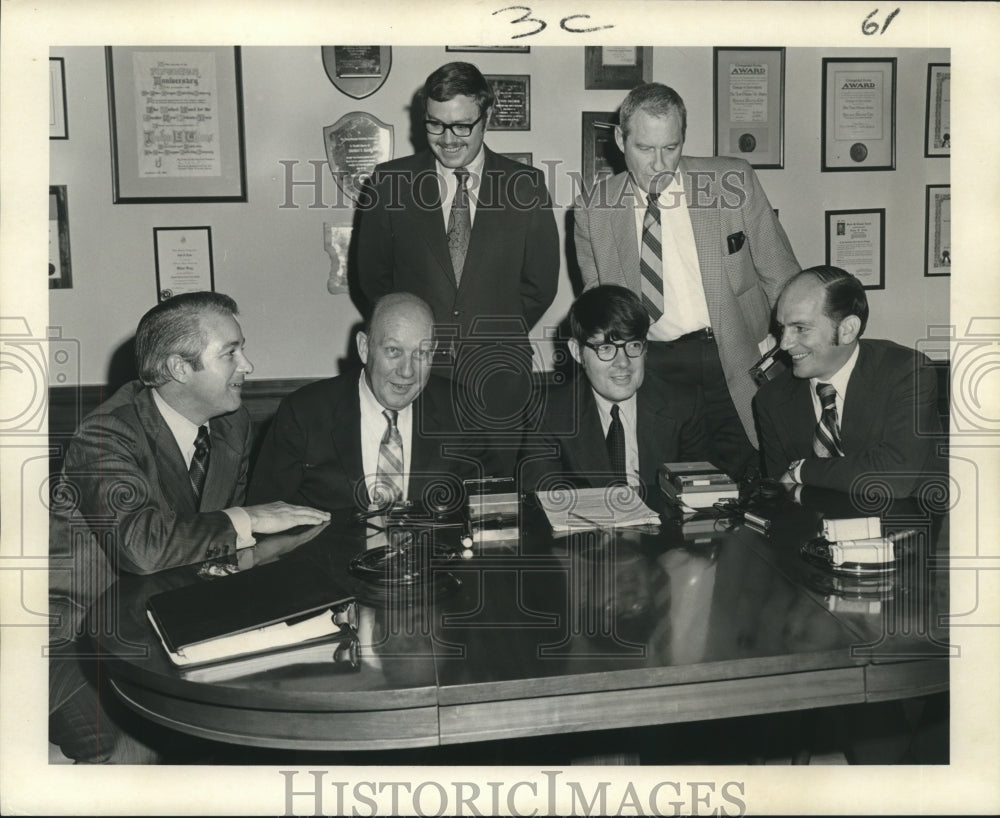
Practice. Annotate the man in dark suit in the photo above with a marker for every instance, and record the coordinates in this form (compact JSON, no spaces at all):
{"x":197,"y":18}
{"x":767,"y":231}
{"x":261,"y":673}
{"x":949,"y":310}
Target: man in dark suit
{"x":849,"y":408}
{"x":473,"y":234}
{"x":620,"y":422}
{"x":697,"y":239}
{"x":153,"y":479}
{"x":328,"y":443}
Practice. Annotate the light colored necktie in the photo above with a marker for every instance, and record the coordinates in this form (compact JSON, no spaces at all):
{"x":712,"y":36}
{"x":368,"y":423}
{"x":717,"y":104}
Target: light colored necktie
{"x":389,"y":475}
{"x":826,"y":440}
{"x":459,"y":225}
{"x":651,"y":260}
{"x":198,"y":470}
{"x":616,"y":444}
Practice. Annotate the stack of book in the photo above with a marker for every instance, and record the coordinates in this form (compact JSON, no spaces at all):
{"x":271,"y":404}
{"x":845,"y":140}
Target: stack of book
{"x":698,"y":484}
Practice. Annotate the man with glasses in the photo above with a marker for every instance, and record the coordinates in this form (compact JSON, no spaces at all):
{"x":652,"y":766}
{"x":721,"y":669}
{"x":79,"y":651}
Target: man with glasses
{"x":473,"y":234}
{"x":620,"y":422}
{"x":374,"y":440}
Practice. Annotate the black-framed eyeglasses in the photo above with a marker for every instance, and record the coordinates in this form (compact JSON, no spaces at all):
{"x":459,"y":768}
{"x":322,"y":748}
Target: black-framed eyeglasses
{"x":458,"y":128}
{"x":609,"y":349}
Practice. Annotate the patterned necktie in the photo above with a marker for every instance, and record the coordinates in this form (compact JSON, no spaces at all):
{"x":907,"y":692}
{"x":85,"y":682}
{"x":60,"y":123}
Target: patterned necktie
{"x":826,"y":441}
{"x":459,"y":225}
{"x":198,"y":469}
{"x":616,"y":444}
{"x":651,"y":260}
{"x":389,"y":476}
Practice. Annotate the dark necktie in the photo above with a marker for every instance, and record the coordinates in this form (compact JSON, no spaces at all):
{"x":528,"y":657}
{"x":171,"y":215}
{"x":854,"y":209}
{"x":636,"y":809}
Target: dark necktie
{"x":616,"y":444}
{"x":826,"y":441}
{"x":389,"y":475}
{"x":459,"y":225}
{"x":651,"y":260}
{"x":198,"y":469}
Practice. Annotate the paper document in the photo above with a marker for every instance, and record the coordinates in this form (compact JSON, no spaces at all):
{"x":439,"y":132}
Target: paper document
{"x":611,"y":507}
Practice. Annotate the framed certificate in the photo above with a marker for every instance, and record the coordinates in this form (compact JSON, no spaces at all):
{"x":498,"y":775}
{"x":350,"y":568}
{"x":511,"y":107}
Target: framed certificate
{"x":859,"y":114}
{"x":57,"y":99}
{"x":855,"y":241}
{"x":60,"y":269}
{"x":937,"y":138}
{"x":601,"y":156}
{"x":617,"y":66}
{"x":937,"y":231}
{"x":183,"y":260}
{"x":176,"y":124}
{"x":511,"y":102}
{"x":749,"y":91}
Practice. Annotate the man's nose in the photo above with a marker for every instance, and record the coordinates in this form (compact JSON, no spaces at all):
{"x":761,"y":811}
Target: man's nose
{"x":786,"y":340}
{"x":246,"y":365}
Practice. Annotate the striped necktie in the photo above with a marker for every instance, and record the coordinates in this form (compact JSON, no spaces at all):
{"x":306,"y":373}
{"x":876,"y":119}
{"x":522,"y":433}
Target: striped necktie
{"x":651,"y":260}
{"x":826,"y":440}
{"x":459,"y":225}
{"x":616,"y":444}
{"x":198,"y":470}
{"x":389,"y":476}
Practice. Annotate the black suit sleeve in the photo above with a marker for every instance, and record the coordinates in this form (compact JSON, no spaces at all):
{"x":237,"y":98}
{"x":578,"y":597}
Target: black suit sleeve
{"x":693,"y":443}
{"x":540,"y":268}
{"x":375,"y":260}
{"x":775,"y":459}
{"x":277,"y":474}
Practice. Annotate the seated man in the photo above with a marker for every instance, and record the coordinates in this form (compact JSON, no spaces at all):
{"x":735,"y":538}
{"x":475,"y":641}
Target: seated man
{"x":849,"y":408}
{"x":153,"y":479}
{"x":371,"y":440}
{"x":620,"y":422}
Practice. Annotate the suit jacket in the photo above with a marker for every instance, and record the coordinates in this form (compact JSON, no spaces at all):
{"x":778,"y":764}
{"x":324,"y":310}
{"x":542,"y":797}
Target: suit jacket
{"x":311,"y":454}
{"x":889,"y":429}
{"x":512,"y":264}
{"x":571,"y":442}
{"x":126,"y":502}
{"x":724,"y":199}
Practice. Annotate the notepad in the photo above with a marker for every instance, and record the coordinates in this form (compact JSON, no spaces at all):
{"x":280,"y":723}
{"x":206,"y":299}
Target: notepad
{"x":611,"y":507}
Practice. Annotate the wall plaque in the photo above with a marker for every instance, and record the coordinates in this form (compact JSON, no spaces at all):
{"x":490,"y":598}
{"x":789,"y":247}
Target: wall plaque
{"x":355,"y":144}
{"x":357,"y":70}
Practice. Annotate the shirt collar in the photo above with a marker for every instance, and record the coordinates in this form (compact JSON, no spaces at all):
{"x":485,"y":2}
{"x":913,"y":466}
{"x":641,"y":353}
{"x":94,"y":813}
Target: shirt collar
{"x":370,"y":404}
{"x":841,"y":376}
{"x":625,"y":407}
{"x":675,"y":187}
{"x":183,"y":430}
{"x":475,"y":167}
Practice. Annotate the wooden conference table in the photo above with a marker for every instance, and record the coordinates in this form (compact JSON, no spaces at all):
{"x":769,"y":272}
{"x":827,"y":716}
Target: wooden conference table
{"x":550,"y":634}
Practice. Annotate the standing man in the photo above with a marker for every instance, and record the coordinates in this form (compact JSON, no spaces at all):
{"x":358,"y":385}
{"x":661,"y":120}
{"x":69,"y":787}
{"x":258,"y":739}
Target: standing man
{"x":154,"y":478}
{"x":372,"y":440}
{"x":473,"y":234}
{"x":697,"y":239}
{"x":849,"y":407}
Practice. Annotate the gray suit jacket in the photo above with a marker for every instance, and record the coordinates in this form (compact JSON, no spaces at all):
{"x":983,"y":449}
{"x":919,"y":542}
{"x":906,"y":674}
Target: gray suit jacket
{"x":727,"y":207}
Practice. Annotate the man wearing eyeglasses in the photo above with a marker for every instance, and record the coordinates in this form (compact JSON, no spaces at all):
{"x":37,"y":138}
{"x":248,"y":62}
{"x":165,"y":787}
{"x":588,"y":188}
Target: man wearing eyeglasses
{"x":374,"y":440}
{"x":620,"y":422}
{"x":473,"y":234}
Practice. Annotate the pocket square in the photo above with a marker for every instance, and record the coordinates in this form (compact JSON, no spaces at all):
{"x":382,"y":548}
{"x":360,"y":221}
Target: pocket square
{"x":735,"y":241}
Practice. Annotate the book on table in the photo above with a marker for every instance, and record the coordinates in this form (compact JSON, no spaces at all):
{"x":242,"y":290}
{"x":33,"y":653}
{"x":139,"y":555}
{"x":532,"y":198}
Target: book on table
{"x":583,"y":508}
{"x":271,"y":607}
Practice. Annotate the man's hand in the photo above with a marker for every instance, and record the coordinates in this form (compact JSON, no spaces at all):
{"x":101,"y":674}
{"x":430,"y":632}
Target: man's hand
{"x":280,"y":516}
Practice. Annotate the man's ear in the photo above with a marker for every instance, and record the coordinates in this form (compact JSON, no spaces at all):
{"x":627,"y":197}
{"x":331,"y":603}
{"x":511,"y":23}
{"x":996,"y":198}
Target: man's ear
{"x":847,"y":332}
{"x":362,"y":341}
{"x":620,"y":138}
{"x":486,"y":119}
{"x":574,"y":350}
{"x":179,"y":369}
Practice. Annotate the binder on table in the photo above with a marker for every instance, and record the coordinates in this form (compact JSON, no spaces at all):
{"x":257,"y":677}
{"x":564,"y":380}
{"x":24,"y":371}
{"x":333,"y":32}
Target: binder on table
{"x":268,"y":608}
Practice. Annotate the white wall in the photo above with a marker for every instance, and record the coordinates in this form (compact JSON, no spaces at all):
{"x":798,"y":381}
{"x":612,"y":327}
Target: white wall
{"x":271,"y":259}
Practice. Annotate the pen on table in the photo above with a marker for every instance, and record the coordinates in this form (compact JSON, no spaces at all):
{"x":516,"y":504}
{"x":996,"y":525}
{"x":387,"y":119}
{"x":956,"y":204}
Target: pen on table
{"x":586,"y":519}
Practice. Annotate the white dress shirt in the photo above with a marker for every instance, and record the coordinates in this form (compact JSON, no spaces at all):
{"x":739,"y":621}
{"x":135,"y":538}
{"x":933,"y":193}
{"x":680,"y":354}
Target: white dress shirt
{"x":185,"y":433}
{"x":373,"y":426}
{"x":685,"y":308}
{"x":627,"y":413}
{"x":449,"y":186}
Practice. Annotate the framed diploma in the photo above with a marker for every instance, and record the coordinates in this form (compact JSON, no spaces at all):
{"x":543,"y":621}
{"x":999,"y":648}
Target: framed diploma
{"x":524,"y":157}
{"x":60,"y":271}
{"x":937,"y":231}
{"x":183,"y":260}
{"x":937,"y":139}
{"x":176,"y":124}
{"x":749,"y":95}
{"x":855,"y":241}
{"x":617,"y":66}
{"x":601,"y":156}
{"x":859,"y":114}
{"x":511,"y":102}
{"x":57,"y":99}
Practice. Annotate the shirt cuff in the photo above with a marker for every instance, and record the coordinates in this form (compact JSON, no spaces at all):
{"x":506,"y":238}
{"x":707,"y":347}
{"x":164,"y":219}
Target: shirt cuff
{"x":241,"y":522}
{"x":795,"y":470}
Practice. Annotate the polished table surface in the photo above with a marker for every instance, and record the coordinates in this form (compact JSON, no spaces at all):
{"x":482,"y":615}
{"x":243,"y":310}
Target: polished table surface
{"x":551,"y":633}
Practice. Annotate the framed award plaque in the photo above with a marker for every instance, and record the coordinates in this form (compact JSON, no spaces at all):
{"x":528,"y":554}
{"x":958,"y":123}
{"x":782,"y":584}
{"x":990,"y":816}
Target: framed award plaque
{"x":859,"y":114}
{"x":750,"y":105}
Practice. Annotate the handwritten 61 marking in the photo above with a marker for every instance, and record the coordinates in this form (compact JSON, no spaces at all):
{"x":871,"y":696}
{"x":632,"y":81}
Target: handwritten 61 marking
{"x":564,"y":23}
{"x":869,"y":26}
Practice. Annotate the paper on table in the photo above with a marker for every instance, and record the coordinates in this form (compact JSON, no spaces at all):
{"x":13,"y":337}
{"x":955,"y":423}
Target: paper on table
{"x":611,"y":507}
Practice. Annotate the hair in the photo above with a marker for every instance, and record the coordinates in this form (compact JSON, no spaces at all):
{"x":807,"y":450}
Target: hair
{"x":844,"y":294}
{"x":174,"y":328}
{"x":398,"y":299}
{"x":615,"y":311}
{"x":656,"y":99}
{"x":457,"y":79}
